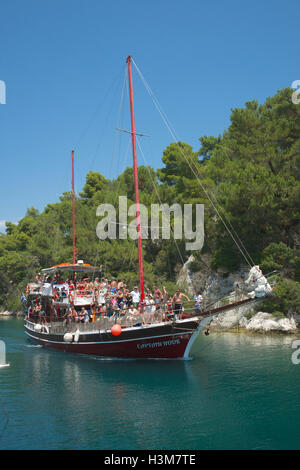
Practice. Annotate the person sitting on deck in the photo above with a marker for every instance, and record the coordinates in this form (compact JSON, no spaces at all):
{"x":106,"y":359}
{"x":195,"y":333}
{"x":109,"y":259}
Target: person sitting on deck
{"x":86,"y":317}
{"x":136,"y":318}
{"x":81,"y":315}
{"x":169,"y":315}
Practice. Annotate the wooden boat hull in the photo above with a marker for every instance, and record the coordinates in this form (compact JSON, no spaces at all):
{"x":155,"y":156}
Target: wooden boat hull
{"x":161,"y":341}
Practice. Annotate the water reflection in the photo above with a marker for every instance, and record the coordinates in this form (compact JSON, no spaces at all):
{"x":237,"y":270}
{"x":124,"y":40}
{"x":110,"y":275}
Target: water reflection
{"x":236,"y":340}
{"x":240,"y":390}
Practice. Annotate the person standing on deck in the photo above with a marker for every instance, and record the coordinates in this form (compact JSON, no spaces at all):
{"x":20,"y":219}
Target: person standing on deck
{"x":157,"y":295}
{"x":165,"y":298}
{"x":177,"y":300}
{"x":135,"y":296}
{"x":198,"y":299}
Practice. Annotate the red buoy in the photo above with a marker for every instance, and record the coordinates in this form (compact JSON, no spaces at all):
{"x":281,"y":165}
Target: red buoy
{"x":116,"y":330}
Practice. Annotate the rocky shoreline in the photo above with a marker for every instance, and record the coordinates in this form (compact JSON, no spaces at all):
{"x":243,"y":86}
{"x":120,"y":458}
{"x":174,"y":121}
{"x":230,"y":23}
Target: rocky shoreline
{"x":218,"y":284}
{"x":6,"y":313}
{"x":260,"y":322}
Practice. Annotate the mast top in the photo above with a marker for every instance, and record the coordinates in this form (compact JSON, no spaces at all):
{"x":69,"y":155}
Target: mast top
{"x":128,"y":59}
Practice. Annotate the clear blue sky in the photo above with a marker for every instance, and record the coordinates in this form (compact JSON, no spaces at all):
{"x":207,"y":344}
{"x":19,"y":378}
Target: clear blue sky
{"x":63,"y":63}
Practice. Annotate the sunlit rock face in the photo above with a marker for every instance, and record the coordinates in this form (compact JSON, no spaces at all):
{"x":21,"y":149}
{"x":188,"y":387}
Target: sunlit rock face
{"x":212,"y":284}
{"x":259,"y":322}
{"x":230,"y":318}
{"x":263,"y":321}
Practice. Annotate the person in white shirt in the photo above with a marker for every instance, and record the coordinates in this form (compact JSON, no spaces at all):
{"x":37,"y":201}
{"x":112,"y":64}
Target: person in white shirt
{"x":135,"y":296}
{"x":101,"y":296}
{"x":198,"y":302}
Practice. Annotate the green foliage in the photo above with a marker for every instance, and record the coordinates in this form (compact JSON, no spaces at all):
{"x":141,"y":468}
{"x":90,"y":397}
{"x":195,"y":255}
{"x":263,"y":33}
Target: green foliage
{"x":279,"y":256}
{"x":94,"y":182}
{"x":195,"y":266}
{"x":285,"y":298}
{"x":249,"y":315}
{"x":226,"y":255}
{"x":179,"y":160}
{"x":208,"y":145}
{"x":251,"y":174}
{"x":278,"y":315}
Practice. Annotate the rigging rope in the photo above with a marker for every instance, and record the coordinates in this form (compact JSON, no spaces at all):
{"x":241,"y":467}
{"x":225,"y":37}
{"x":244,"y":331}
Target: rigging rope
{"x":157,"y":194}
{"x":113,"y":153}
{"x":169,"y":126}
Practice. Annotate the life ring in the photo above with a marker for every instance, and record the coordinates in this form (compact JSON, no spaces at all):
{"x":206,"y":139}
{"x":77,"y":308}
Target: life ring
{"x":71,"y":298}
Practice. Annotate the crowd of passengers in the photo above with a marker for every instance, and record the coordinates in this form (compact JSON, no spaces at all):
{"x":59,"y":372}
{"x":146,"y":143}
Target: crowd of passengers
{"x":113,"y":298}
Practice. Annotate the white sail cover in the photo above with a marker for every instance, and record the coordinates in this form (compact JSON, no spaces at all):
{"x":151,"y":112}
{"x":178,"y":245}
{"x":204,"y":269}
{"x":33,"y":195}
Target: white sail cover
{"x":83,"y":300}
{"x":258,"y":283}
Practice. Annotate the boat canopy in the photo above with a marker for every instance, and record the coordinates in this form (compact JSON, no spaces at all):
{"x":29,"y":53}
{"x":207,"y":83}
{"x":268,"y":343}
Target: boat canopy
{"x":78,"y":267}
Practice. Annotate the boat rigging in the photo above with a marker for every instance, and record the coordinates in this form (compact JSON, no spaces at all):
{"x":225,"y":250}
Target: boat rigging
{"x":122,"y":324}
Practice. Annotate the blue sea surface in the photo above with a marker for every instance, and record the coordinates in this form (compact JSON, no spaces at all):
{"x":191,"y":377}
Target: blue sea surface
{"x":241,"y":391}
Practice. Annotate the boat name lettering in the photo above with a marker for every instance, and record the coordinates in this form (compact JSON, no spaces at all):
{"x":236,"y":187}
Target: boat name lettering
{"x":159,"y":344}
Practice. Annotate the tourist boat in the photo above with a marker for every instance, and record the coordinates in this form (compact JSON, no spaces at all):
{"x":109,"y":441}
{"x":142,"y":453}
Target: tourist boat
{"x":163,"y":339}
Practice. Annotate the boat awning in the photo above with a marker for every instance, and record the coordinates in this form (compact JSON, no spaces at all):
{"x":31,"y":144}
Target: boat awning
{"x":82,"y":267}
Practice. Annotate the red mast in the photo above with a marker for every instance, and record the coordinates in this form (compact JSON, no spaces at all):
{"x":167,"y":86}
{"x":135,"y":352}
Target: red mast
{"x":73,"y":206}
{"x":136,"y":182}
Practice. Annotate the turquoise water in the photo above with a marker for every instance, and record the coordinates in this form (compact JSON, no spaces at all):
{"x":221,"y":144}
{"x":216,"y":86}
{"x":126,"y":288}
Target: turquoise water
{"x":240,"y":392}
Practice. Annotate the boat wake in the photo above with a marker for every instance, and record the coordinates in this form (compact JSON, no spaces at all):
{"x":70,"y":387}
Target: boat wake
{"x":130,"y":359}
